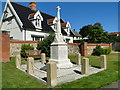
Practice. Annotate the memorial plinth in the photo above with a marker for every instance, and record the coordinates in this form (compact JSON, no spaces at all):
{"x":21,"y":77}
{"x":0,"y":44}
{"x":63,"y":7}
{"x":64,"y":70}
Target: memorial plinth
{"x":59,"y":49}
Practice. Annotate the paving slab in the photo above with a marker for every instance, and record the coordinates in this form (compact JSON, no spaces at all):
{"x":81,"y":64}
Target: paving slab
{"x":63,"y":75}
{"x":113,"y":85}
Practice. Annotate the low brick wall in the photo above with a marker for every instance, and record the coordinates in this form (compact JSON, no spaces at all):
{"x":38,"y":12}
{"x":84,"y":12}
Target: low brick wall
{"x":15,"y":46}
{"x":90,"y":47}
{"x":86,"y":49}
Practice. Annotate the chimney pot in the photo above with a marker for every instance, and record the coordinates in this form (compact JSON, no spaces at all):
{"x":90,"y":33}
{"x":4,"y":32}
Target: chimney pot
{"x":33,"y":5}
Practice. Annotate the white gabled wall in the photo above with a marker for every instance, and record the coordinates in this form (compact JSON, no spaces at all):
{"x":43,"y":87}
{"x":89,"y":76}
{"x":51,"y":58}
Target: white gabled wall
{"x":12,"y":26}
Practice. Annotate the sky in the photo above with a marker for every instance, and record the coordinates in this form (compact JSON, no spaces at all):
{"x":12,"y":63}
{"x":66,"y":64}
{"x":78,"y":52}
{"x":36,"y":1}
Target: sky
{"x":80,"y":14}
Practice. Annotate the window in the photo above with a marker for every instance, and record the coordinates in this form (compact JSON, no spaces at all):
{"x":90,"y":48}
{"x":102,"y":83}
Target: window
{"x":11,"y":38}
{"x":36,"y":37}
{"x":9,"y":21}
{"x":38,"y":21}
{"x":67,"y":40}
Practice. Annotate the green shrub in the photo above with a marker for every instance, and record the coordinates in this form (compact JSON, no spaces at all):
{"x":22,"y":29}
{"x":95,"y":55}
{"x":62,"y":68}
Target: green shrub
{"x":44,"y":46}
{"x":97,"y":51}
{"x":78,"y":41}
{"x":101,"y":51}
{"x":25,"y":47}
{"x":106,"y":51}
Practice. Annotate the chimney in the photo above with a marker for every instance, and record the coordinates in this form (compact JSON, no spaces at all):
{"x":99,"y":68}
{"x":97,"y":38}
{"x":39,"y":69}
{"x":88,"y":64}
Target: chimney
{"x":33,"y":5}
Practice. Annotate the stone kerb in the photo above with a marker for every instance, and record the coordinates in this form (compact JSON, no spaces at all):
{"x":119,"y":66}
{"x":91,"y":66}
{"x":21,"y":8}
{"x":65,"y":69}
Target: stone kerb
{"x":103,"y":61}
{"x":43,"y":58}
{"x":78,"y":60}
{"x":18,"y":61}
{"x":30,"y":65}
{"x":51,"y":74}
{"x":85,"y":66}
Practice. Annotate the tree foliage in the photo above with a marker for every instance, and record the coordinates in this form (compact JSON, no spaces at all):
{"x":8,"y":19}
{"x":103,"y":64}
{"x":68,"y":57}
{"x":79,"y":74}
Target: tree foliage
{"x":95,"y":33}
{"x":44,"y":46}
{"x":84,"y":31}
{"x":97,"y":36}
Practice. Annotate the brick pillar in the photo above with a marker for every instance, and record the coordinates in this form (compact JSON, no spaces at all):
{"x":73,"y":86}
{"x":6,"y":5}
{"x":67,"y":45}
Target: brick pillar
{"x":84,"y":49}
{"x":4,"y":46}
{"x":110,"y":45}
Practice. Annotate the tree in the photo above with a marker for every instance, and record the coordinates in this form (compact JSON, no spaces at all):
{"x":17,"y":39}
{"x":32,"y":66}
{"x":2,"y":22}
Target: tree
{"x":84,"y":31}
{"x":113,"y":38}
{"x":95,"y":33}
{"x":98,"y":25}
{"x":97,"y":36}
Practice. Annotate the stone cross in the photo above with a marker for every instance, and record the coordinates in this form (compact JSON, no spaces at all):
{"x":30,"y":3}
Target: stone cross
{"x":59,"y":49}
{"x":58,"y":35}
{"x":58,"y":20}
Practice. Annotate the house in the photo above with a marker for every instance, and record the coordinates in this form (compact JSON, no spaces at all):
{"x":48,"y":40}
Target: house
{"x":28,"y":23}
{"x":76,"y":35}
{"x":114,"y":33}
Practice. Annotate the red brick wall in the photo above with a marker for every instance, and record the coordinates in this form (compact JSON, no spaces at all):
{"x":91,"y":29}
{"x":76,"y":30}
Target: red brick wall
{"x":4,"y":46}
{"x":84,"y":46}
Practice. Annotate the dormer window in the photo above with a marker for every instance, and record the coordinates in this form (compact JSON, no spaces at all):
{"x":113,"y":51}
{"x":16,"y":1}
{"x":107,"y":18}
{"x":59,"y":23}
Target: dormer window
{"x":52,"y":22}
{"x":36,"y":19}
{"x":38,"y":22}
{"x":66,"y":26}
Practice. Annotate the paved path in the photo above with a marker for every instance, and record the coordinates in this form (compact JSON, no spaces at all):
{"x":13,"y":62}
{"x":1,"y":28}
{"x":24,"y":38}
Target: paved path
{"x":63,"y":75}
{"x":116,"y":52}
{"x":113,"y":85}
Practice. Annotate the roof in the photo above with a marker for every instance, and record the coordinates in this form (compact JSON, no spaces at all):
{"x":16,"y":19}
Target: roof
{"x":63,"y":24}
{"x":23,"y":12}
{"x":51,"y":20}
{"x":74,"y":33}
{"x":114,"y":33}
{"x":31,"y":15}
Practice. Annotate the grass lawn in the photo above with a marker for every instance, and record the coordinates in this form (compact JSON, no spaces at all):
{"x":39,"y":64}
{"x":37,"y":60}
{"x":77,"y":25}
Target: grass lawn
{"x":14,"y":78}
